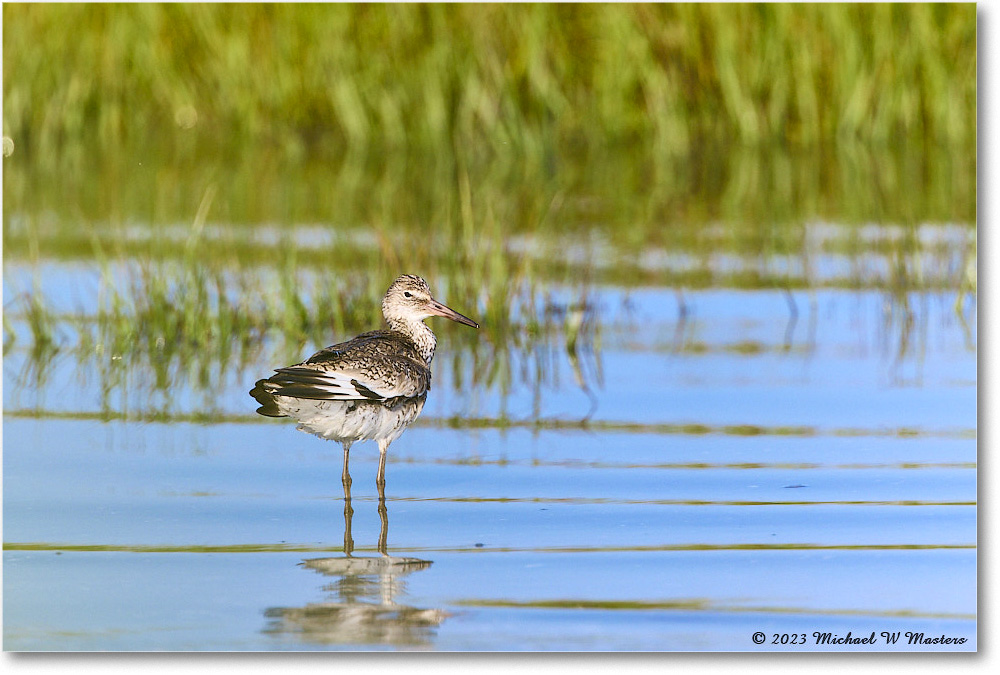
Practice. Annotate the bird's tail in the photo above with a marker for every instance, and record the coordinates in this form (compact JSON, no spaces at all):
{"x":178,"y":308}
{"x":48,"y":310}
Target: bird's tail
{"x":268,"y":406}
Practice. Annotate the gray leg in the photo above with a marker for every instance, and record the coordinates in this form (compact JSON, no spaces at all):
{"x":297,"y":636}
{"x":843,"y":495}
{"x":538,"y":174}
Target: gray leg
{"x":348,"y":511}
{"x":383,"y":514}
{"x":348,"y":518}
{"x":345,"y":477}
{"x":382,"y":447}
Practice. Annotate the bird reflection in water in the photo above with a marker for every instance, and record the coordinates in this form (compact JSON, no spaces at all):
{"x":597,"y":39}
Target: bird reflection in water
{"x":363,"y":609}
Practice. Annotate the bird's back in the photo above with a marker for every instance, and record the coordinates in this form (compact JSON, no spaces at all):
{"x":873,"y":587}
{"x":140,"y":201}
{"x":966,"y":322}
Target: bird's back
{"x":367,"y":347}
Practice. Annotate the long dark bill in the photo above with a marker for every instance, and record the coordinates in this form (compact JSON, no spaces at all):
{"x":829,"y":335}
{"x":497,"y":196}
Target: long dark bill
{"x":438,"y":309}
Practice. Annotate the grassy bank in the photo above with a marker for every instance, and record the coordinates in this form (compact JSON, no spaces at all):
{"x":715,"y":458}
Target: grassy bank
{"x":648,"y":120}
{"x":495,"y":78}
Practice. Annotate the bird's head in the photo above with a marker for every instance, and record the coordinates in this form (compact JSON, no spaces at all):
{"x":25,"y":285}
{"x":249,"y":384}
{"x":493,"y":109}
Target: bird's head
{"x":409,"y":299}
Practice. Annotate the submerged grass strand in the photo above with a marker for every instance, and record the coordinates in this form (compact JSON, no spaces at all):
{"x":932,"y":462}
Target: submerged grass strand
{"x":680,"y":502}
{"x":314,"y":548}
{"x":538,"y":424}
{"x":699,"y":605}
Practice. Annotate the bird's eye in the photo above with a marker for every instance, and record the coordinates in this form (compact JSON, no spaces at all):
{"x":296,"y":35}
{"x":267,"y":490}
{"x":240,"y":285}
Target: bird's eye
{"x":408,"y":294}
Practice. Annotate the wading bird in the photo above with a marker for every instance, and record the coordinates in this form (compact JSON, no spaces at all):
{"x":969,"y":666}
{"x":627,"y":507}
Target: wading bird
{"x":368,"y":388}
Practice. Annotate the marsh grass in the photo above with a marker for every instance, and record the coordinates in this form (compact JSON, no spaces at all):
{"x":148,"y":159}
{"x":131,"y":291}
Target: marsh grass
{"x":183,"y":323}
{"x":486,"y":78}
{"x":368,"y":113}
{"x":210,"y":294}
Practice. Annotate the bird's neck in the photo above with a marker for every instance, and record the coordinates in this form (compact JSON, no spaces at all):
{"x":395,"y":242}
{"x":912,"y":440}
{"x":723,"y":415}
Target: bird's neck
{"x":417,"y":331}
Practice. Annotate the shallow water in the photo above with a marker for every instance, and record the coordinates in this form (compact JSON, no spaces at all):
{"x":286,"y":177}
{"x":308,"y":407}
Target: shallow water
{"x":694,"y":479}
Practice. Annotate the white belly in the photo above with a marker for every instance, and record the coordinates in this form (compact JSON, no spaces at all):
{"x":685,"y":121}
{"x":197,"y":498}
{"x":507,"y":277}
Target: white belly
{"x":352,"y":420}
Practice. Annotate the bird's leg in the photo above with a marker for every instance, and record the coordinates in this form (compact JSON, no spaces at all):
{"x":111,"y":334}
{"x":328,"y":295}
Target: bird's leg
{"x":348,"y":511}
{"x":383,"y":445}
{"x":348,"y":518}
{"x":383,"y":515}
{"x":345,"y":477}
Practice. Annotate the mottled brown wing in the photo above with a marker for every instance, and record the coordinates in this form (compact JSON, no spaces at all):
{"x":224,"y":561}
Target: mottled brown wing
{"x":373,"y":366}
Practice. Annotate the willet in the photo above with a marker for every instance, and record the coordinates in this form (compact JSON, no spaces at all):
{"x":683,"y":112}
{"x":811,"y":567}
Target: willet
{"x":368,"y":388}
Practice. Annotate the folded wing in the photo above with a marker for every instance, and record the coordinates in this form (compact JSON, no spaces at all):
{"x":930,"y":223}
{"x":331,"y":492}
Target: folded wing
{"x":375,"y":366}
{"x":396,"y":377}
